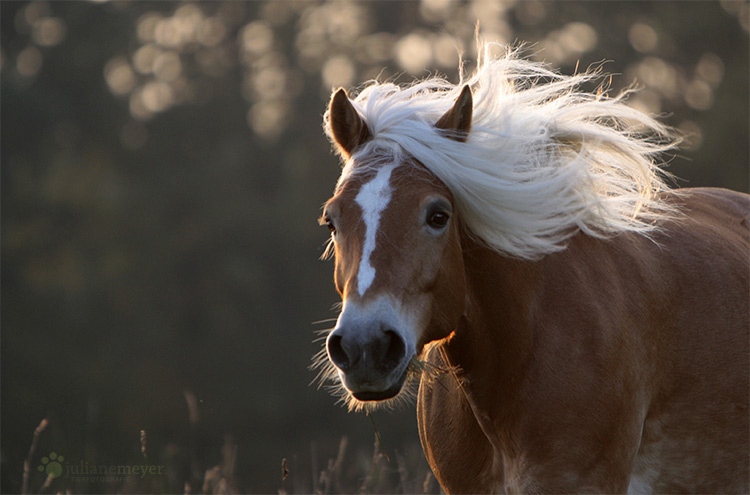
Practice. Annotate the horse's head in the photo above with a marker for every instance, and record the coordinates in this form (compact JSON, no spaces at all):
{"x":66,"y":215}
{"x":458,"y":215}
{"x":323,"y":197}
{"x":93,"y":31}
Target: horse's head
{"x":399,"y":266}
{"x":544,"y":161}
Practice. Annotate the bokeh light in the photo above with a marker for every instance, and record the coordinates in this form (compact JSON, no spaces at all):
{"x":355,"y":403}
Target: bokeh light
{"x":48,"y":31}
{"x":414,"y":53}
{"x":338,"y":71}
{"x":643,"y":37}
{"x":119,"y":76}
{"x":335,"y":40}
{"x":566,"y":45}
{"x":29,"y":61}
{"x":710,"y":68}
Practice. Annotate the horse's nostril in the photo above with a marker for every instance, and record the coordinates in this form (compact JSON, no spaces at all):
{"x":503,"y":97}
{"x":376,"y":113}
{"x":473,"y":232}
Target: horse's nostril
{"x":337,"y":353}
{"x":383,"y":352}
{"x":395,"y":349}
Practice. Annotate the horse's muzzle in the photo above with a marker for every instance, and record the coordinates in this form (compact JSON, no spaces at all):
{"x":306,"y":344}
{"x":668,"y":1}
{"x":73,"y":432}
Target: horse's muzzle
{"x":371,"y":359}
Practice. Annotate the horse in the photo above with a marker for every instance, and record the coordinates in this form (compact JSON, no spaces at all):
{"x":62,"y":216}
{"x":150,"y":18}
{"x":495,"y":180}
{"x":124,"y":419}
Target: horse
{"x":510,"y":246}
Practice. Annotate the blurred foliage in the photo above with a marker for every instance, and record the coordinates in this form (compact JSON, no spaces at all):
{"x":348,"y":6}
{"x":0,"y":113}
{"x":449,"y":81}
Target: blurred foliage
{"x":163,"y":165}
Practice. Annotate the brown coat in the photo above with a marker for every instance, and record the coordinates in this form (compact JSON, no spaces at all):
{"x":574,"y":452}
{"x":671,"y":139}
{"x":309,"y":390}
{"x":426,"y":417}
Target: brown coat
{"x":612,"y":357}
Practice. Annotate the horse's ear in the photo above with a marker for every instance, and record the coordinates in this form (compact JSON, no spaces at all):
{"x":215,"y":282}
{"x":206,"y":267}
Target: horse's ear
{"x":347,"y":127}
{"x":457,"y":121}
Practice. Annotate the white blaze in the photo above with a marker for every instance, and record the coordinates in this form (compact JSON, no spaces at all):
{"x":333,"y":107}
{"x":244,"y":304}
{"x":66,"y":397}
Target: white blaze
{"x":373,"y":198}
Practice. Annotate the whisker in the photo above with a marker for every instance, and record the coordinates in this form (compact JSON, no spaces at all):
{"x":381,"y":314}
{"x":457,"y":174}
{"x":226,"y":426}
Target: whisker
{"x":322,"y":334}
{"x":420,"y":365}
{"x":319,"y":359}
{"x":325,"y":320}
{"x":328,"y":251}
{"x":326,"y":372}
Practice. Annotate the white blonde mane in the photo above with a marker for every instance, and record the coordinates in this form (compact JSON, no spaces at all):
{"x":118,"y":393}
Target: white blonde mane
{"x":543,"y":159}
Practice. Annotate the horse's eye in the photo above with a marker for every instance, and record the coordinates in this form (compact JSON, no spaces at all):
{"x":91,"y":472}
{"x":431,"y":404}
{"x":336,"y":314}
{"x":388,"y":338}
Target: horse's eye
{"x":329,"y":224}
{"x":438,"y":219}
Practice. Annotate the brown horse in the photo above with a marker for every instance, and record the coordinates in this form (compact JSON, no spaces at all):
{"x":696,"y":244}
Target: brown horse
{"x":576,"y":326}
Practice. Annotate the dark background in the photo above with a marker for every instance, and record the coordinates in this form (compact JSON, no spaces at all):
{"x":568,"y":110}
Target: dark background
{"x":163,"y":167}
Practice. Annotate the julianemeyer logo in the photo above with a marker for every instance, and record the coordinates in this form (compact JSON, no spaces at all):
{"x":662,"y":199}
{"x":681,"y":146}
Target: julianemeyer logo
{"x":52,"y":466}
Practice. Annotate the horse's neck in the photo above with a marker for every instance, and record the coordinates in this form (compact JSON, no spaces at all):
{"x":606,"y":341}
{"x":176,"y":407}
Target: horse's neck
{"x":494,"y":339}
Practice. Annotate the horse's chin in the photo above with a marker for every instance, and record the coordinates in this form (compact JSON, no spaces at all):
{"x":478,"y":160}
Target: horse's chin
{"x":379,"y":395}
{"x":373,"y":398}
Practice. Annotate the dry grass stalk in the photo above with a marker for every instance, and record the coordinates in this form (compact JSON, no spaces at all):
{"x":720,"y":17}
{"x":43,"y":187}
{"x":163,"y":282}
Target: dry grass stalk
{"x":47,"y":483}
{"x":193,"y":418}
{"x":403,"y":473}
{"x":330,"y":478}
{"x":377,"y":477}
{"x":143,"y":445}
{"x":27,"y":463}
{"x":284,"y":475}
{"x":337,"y":467}
{"x":430,"y":485}
{"x":220,"y":480}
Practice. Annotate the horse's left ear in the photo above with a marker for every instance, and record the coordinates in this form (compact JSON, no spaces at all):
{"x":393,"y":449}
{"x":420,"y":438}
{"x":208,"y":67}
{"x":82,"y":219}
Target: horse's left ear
{"x":457,"y":120}
{"x":347,"y":127}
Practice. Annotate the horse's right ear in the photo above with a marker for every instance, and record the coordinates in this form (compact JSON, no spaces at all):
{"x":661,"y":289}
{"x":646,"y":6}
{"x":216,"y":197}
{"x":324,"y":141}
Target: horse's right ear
{"x":347,"y":127}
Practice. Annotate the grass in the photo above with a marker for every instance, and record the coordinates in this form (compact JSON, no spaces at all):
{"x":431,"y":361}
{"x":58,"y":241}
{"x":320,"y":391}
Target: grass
{"x":352,"y":470}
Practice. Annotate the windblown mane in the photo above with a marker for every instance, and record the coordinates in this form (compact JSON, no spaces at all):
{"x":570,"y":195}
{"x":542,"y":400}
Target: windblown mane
{"x":543,"y":160}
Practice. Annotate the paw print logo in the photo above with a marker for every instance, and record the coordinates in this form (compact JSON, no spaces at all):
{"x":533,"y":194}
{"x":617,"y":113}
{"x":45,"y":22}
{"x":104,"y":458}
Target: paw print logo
{"x":51,"y":465}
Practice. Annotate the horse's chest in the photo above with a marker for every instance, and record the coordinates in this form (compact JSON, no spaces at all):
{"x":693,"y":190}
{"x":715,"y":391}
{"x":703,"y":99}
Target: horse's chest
{"x":455,"y":446}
